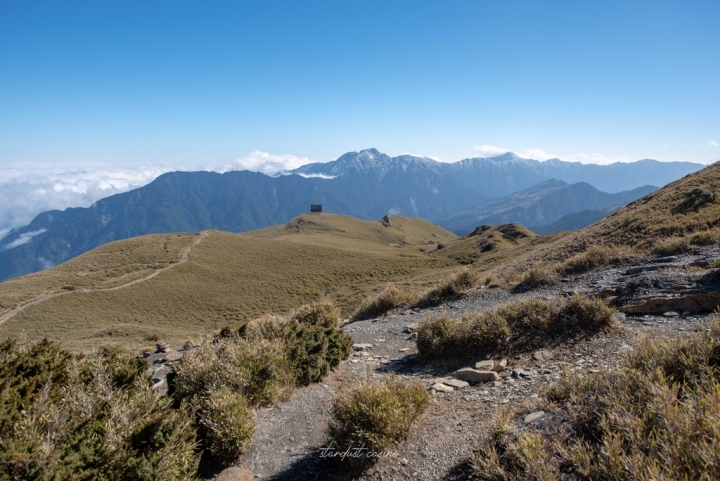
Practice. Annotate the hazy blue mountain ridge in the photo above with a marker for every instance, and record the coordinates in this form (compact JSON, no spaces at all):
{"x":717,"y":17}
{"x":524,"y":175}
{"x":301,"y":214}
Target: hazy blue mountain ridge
{"x":366,"y":184}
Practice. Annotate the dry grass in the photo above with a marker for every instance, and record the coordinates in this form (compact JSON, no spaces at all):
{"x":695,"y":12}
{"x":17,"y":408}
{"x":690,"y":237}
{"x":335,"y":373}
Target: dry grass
{"x":389,"y":298}
{"x":511,"y":327}
{"x":452,"y":288}
{"x":228,"y":280}
{"x":641,"y":224}
{"x":376,"y":415}
{"x":107,"y":266}
{"x":597,"y":256}
{"x":323,"y":314}
{"x":655,"y":417}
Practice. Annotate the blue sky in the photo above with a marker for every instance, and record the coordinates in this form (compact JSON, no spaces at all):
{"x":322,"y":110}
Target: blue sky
{"x":122,"y":85}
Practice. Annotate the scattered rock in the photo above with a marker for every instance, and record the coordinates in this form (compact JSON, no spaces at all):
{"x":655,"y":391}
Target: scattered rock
{"x":689,"y":300}
{"x":405,"y":349}
{"x":235,"y":474}
{"x":534,"y":416}
{"x":162,"y":347}
{"x":362,"y":347}
{"x":404,"y":461}
{"x":442,"y":387}
{"x":485,"y":365}
{"x":519,"y":373}
{"x":473,"y":375}
{"x":456,"y":383}
{"x":500,"y":366}
{"x":161,"y":385}
{"x":161,"y":373}
{"x":174,"y":356}
{"x":410,"y":328}
{"x":542,"y":355}
{"x":671,"y":314}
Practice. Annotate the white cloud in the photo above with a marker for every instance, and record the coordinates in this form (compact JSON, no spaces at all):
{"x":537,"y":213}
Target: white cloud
{"x":29,"y":188}
{"x":489,"y":150}
{"x":712,"y":143}
{"x":537,"y":154}
{"x":317,"y":176}
{"x":26,"y":189}
{"x":264,"y":162}
{"x":23,"y":239}
{"x":596,"y":158}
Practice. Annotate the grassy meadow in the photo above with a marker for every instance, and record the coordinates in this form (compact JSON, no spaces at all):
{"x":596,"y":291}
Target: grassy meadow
{"x":228,"y":279}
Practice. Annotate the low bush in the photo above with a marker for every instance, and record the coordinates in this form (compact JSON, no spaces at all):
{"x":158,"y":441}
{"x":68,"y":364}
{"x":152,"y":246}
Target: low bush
{"x":227,"y":422}
{"x":390,"y":298}
{"x":652,"y":418}
{"x":671,"y":246}
{"x":452,"y":289}
{"x":258,"y":370}
{"x":376,"y":415}
{"x":313,"y":351}
{"x":94,"y":416}
{"x":595,"y":256}
{"x":511,"y":326}
{"x":323,"y":314}
{"x":538,"y":275}
{"x":705,"y":238}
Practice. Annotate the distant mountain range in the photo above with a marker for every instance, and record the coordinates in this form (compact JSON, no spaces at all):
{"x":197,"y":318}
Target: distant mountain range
{"x":542,"y":205}
{"x":366,"y":184}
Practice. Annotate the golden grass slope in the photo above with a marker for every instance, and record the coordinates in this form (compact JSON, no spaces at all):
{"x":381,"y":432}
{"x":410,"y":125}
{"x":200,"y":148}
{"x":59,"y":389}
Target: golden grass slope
{"x":228,"y":279}
{"x":349,"y":232}
{"x":668,"y":212}
{"x":107,"y":266}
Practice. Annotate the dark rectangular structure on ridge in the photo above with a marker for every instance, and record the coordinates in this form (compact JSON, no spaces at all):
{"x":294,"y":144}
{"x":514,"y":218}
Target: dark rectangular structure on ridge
{"x":316,"y":208}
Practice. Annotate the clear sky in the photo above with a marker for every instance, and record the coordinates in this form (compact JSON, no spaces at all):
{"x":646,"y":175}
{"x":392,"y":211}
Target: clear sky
{"x":124,"y":83}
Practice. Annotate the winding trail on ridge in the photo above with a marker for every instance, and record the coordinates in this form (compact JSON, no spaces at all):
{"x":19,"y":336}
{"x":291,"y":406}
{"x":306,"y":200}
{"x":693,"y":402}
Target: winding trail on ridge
{"x":184,"y":256}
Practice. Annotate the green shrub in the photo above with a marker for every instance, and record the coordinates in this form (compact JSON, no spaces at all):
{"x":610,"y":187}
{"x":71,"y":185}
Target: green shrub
{"x":258,"y":370}
{"x":228,"y":422}
{"x":323,"y":314}
{"x":93,"y":416}
{"x":511,"y":326}
{"x":390,"y":298}
{"x":313,"y":351}
{"x":376,"y":415}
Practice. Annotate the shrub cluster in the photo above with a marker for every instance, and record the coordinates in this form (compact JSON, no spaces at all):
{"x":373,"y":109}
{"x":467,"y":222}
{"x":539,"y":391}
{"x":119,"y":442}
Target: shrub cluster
{"x":511,"y":326}
{"x":376,"y":415}
{"x":257,"y":364}
{"x":390,"y":298}
{"x":323,"y":314}
{"x":94,"y":416}
{"x":655,"y":417}
{"x":451,"y":289}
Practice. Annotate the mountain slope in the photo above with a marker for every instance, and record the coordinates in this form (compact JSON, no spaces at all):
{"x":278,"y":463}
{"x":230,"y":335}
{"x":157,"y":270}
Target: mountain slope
{"x":228,"y":278}
{"x":367,"y":185}
{"x":670,"y":211}
{"x":539,"y":205}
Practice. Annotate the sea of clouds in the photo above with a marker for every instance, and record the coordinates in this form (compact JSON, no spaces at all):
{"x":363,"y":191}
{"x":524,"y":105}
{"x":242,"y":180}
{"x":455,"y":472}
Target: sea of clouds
{"x":29,"y":188}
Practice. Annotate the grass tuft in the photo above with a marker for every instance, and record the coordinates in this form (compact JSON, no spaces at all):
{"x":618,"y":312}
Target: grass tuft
{"x":376,"y":415}
{"x":323,"y":314}
{"x":390,"y":298}
{"x":652,"y":418}
{"x":516,"y":325}
{"x":451,"y":289}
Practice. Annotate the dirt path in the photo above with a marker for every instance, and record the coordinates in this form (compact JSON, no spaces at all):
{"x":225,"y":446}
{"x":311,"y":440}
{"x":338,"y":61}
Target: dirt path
{"x":184,"y":256}
{"x":289,"y":437}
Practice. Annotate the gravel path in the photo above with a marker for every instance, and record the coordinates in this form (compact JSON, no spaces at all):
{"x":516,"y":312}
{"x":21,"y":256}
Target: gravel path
{"x":289,"y":437}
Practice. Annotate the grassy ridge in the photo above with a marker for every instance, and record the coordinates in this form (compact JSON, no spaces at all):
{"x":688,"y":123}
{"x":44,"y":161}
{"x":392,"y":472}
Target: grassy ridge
{"x":228,"y":279}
